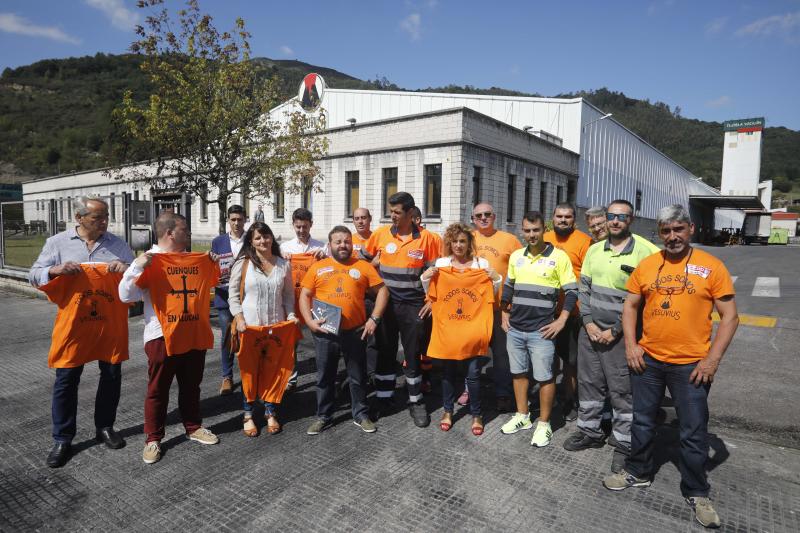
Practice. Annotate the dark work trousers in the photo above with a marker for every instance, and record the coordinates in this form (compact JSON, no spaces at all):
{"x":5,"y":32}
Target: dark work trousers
{"x":603,"y":372}
{"x":224,"y":319}
{"x":473,"y":383}
{"x":372,"y":341}
{"x":65,"y":399}
{"x":400,"y":319}
{"x":691,"y":406}
{"x":187,"y":368}
{"x":501,"y":371}
{"x":327,"y":349}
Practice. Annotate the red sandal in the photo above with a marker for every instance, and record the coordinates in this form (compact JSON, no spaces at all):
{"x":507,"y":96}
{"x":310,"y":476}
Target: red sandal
{"x":447,"y":422}
{"x":477,"y":426}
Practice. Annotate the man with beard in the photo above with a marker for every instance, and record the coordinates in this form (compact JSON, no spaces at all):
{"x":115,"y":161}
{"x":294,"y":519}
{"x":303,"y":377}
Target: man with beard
{"x":575,"y":243}
{"x":679,"y":288}
{"x":602,"y":367}
{"x":342,"y":280}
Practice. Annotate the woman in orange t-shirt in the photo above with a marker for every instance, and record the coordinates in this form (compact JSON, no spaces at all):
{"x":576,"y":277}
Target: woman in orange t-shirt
{"x":268,"y":298}
{"x":460,"y":252}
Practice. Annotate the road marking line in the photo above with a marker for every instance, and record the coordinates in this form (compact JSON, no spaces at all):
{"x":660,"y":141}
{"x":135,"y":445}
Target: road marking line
{"x":751,"y":320}
{"x":767,"y":287}
{"x":734,"y":278}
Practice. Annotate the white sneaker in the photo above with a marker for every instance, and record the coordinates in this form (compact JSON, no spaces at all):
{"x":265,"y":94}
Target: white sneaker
{"x":542,"y":434}
{"x":203,"y":436}
{"x":151,"y":453}
{"x":518,"y":422}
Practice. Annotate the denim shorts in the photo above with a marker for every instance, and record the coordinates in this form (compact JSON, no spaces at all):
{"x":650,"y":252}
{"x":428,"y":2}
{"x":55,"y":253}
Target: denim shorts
{"x":528,"y":350}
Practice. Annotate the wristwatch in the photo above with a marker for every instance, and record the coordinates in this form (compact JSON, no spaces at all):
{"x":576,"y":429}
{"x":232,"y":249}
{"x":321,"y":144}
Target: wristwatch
{"x":615,"y":331}
{"x":376,"y":319}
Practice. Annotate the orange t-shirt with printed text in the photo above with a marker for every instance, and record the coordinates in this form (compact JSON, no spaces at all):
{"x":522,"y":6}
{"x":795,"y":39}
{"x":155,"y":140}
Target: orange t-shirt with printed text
{"x":91,"y":323}
{"x":676,"y":320}
{"x":358,"y":243}
{"x":180,"y":290}
{"x":462,"y":313}
{"x":343,"y":285}
{"x":266,"y":360}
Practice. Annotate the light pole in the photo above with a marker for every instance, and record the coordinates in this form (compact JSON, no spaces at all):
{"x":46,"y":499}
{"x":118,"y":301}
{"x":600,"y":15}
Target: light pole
{"x":586,"y":164}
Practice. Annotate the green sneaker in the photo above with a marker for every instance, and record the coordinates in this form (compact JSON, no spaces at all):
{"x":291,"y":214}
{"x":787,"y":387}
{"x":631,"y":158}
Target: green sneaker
{"x":317,"y":426}
{"x":518,"y":422}
{"x":624,"y":480}
{"x":542,"y":434}
{"x":703,"y":511}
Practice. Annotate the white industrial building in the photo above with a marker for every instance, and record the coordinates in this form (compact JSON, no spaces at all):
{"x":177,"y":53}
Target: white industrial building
{"x":449,"y":151}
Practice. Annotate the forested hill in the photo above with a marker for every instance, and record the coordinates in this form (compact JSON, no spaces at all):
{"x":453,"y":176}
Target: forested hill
{"x":55,"y":117}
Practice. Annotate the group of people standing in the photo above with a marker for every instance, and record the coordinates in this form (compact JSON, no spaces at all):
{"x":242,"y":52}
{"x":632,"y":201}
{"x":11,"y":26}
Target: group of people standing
{"x":619,"y":318}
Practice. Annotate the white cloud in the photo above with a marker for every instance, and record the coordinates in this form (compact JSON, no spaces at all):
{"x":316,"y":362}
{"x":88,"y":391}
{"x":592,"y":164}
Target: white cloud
{"x":412,"y":25}
{"x":716,"y":26}
{"x":722,"y":101}
{"x":11,"y":23}
{"x":787,"y":25}
{"x":120,"y":16}
{"x":285,"y":50}
{"x":655,"y":7}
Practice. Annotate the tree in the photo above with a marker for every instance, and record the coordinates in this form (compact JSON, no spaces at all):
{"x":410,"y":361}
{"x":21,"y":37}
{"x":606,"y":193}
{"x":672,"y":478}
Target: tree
{"x":205,"y":127}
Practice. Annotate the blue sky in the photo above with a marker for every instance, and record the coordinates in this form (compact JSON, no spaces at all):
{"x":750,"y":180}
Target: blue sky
{"x":715,"y":59}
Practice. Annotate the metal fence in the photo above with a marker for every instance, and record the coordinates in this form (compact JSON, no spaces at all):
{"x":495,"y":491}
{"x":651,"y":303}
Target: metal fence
{"x":26,"y":225}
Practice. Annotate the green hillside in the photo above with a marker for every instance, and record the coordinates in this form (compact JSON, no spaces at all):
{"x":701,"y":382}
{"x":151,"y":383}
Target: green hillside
{"x":55,"y":116}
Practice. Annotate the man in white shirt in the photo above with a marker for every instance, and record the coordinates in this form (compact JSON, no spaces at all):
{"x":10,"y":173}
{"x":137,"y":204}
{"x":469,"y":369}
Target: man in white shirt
{"x":302,"y":220}
{"x":173,"y":236}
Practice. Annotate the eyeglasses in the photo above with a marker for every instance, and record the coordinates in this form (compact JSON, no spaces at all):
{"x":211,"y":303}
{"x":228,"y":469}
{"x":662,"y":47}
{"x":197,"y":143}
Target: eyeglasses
{"x":487,"y":214}
{"x":622,"y":217}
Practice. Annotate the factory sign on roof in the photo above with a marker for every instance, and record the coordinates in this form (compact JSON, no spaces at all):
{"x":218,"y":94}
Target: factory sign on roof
{"x":745,"y":124}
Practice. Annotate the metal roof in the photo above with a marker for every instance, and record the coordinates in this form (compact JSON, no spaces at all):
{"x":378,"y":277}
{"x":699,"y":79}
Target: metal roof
{"x":728,"y":202}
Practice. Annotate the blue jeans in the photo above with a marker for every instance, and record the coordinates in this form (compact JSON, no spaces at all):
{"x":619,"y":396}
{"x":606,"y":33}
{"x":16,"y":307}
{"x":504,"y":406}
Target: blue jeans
{"x":65,"y":399}
{"x":473,"y":383}
{"x":526,"y":350}
{"x":270,"y":409}
{"x":224,"y":318}
{"x":354,"y":349}
{"x":691,"y":406}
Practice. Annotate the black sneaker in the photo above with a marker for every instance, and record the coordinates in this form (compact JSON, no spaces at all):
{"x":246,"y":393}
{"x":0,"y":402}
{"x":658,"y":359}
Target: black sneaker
{"x":572,"y":414}
{"x":420,"y":414}
{"x":381,"y":407}
{"x":580,"y":441}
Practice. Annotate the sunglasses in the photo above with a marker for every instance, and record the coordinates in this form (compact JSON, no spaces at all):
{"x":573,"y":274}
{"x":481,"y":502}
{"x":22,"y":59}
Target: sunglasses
{"x":487,"y":214}
{"x":622,"y":217}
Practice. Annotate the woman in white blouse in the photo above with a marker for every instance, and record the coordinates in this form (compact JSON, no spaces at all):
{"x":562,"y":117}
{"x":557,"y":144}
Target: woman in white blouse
{"x":460,"y":252}
{"x":268,"y":298}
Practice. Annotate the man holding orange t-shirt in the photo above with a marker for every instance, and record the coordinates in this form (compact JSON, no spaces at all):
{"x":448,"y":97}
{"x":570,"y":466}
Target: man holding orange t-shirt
{"x":176,"y":290}
{"x":680,"y":287}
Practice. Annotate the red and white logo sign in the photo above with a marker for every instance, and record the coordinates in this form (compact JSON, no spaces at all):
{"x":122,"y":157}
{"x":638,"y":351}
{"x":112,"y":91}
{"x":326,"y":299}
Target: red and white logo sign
{"x":416,"y":254}
{"x":698,"y":270}
{"x":310,"y":93}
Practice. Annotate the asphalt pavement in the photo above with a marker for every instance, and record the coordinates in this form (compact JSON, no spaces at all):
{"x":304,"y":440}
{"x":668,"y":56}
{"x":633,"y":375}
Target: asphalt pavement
{"x":401,"y":478}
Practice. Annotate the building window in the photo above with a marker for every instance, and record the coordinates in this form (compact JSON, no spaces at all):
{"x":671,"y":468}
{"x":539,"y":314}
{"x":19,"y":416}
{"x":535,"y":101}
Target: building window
{"x":528,"y":192}
{"x":278,"y":204}
{"x":389,"y":185}
{"x":559,"y":194}
{"x":204,"y":203}
{"x":543,"y":198}
{"x":433,"y":190}
{"x":306,"y":200}
{"x":69,"y":207}
{"x":113,"y":207}
{"x":60,"y":208}
{"x":638,"y":202}
{"x":571,"y":192}
{"x":136,"y":195}
{"x":512,"y":183}
{"x":476,"y":186}
{"x":351,"y":192}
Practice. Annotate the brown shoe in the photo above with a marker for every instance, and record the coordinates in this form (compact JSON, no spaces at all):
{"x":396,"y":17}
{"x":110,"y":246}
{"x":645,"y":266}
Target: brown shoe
{"x":227,"y":387}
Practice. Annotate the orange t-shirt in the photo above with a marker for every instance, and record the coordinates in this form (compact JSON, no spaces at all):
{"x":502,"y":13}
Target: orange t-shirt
{"x":676,"y":319}
{"x":266,"y":360}
{"x":91,"y":323}
{"x":462,"y":312}
{"x":180,"y":289}
{"x":497,"y":249}
{"x":358,"y":243}
{"x":343,"y":285}
{"x":300,"y":263}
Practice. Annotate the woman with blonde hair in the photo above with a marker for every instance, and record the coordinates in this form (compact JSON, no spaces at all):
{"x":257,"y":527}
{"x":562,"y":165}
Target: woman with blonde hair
{"x":460,"y":256}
